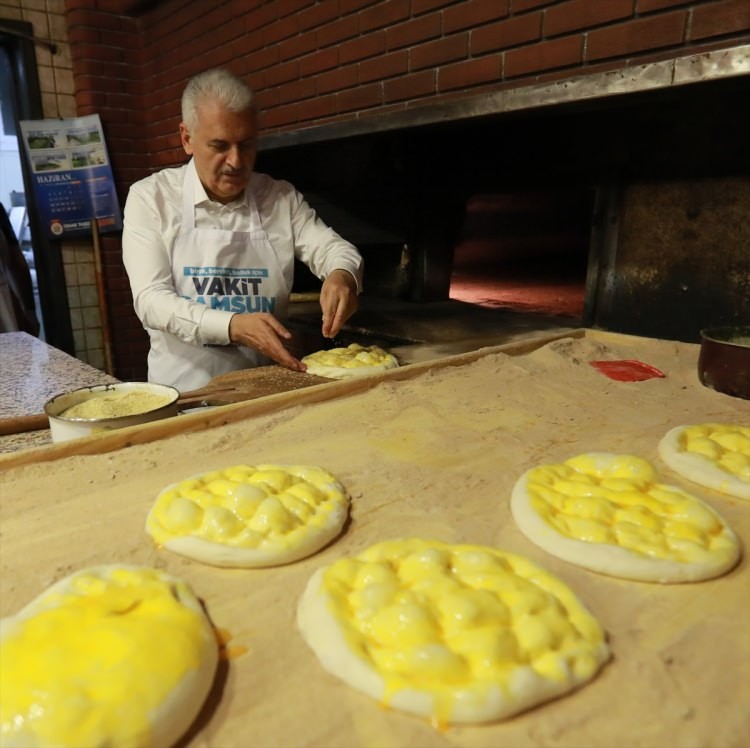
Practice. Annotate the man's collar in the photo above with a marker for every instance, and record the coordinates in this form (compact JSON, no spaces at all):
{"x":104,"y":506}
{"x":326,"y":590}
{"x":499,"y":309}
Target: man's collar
{"x":201,"y":196}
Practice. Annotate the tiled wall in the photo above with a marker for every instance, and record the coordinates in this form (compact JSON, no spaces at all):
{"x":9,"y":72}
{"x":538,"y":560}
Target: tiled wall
{"x":58,"y":100}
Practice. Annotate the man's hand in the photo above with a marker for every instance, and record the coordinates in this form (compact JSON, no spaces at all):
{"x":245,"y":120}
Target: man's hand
{"x":264,"y":333}
{"x":338,"y":300}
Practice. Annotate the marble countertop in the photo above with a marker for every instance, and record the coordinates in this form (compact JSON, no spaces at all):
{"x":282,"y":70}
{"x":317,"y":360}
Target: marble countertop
{"x":31,"y":372}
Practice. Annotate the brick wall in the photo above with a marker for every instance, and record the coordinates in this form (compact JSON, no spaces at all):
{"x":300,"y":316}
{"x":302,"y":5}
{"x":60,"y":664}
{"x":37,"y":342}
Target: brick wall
{"x":316,"y":62}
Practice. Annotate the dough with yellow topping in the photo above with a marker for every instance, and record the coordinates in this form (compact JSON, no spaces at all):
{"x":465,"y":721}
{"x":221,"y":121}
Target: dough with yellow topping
{"x":108,"y":656}
{"x":250,"y":516}
{"x":609,"y":513}
{"x":714,"y":455}
{"x":453,"y":633}
{"x":353,"y":361}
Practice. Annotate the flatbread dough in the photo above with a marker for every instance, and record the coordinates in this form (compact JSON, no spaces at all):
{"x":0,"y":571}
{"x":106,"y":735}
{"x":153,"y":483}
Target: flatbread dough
{"x":714,"y":455}
{"x":453,"y":633}
{"x":108,"y":656}
{"x":353,"y":361}
{"x":250,"y":516}
{"x":609,"y":513}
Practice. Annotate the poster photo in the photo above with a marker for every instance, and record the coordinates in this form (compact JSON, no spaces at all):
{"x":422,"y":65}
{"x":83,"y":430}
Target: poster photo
{"x":72,"y":175}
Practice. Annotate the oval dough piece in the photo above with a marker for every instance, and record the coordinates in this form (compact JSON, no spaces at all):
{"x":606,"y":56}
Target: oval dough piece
{"x":453,"y":633}
{"x":713,"y":455}
{"x":250,"y":516}
{"x":353,"y":361}
{"x":609,"y":513}
{"x":108,"y":656}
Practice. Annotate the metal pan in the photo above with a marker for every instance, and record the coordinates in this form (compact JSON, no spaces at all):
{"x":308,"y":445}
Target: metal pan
{"x":724,"y":360}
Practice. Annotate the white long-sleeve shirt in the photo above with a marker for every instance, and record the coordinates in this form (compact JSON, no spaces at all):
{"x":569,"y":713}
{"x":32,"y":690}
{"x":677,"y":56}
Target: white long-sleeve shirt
{"x":152,"y":221}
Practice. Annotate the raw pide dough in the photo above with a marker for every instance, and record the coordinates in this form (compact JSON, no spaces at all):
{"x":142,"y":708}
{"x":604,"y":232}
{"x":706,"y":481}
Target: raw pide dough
{"x":108,"y":656}
{"x":609,"y":513}
{"x":250,"y":516}
{"x":453,"y":633}
{"x":714,"y":455}
{"x":353,"y":361}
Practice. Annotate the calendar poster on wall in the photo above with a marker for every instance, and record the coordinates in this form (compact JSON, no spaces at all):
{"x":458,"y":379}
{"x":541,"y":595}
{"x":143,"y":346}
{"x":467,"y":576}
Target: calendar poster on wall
{"x":72,"y":175}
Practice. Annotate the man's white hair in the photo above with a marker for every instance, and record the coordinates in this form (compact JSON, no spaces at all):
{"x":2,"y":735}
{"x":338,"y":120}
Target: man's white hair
{"x":219,"y":84}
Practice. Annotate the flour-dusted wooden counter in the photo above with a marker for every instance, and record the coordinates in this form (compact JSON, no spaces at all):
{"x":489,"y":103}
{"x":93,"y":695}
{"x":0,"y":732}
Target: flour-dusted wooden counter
{"x":430,"y":451}
{"x":31,"y":372}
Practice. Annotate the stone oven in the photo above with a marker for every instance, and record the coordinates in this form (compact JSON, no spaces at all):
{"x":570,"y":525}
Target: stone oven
{"x":629,"y":188}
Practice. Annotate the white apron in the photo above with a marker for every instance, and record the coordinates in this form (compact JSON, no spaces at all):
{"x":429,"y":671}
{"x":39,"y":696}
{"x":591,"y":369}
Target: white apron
{"x":237,"y":271}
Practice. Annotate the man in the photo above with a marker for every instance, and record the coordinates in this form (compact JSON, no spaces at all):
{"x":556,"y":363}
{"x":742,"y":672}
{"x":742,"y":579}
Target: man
{"x":209,"y":247}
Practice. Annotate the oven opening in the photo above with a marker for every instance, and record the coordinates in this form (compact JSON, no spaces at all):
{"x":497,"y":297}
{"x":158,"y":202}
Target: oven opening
{"x":525,"y":252}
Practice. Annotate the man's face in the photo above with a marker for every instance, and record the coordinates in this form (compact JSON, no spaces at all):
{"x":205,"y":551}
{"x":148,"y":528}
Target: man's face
{"x":223,"y":147}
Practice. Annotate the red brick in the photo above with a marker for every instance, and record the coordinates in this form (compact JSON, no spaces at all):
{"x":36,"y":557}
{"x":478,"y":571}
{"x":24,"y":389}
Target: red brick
{"x":287,"y":7}
{"x":316,"y":16}
{"x":275,"y":118}
{"x":337,"y":31}
{"x":93,"y":18}
{"x":363,"y":47}
{"x":470,"y":73}
{"x":279,"y":30}
{"x":646,"y":6}
{"x":557,"y":53}
{"x":423,"y":6}
{"x":583,"y":14}
{"x":435,"y":53}
{"x":296,"y":91}
{"x":384,"y":66}
{"x":282,"y":73}
{"x":414,"y":31}
{"x":262,"y":59}
{"x":297,"y":46}
{"x":362,"y":97}
{"x":266,"y":99}
{"x":82,"y":35}
{"x":506,"y":34}
{"x":337,"y":80}
{"x":383,"y":14}
{"x":320,"y":106}
{"x":715,"y":19}
{"x":413,"y":86}
{"x":324,"y":59}
{"x":473,"y":13}
{"x":637,"y":36}
{"x":519,"y":6}
{"x":256,"y":81}
{"x":259,"y":17}
{"x":351,"y":6}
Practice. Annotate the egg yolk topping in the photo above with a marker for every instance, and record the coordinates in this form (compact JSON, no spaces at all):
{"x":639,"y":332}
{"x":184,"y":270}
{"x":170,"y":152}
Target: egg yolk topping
{"x":354,"y":356}
{"x":436,"y":617}
{"x":620,"y":502}
{"x":726,"y":445}
{"x":248,"y":506}
{"x":67,"y":671}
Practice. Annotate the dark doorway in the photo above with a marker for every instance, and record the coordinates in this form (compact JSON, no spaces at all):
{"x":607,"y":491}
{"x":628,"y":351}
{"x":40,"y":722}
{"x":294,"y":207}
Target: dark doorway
{"x":21,"y":100}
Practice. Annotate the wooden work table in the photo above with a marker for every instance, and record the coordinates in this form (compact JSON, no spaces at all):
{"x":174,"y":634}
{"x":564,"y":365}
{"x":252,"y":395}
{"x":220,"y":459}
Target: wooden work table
{"x":31,"y":372}
{"x":430,"y":450}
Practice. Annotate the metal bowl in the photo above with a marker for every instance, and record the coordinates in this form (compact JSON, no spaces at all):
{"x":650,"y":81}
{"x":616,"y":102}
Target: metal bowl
{"x":724,"y":360}
{"x":64,"y":428}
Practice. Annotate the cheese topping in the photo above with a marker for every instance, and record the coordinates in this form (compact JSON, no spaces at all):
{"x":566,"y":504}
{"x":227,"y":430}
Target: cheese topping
{"x":713,"y":455}
{"x":466,"y":625}
{"x":621,"y":503}
{"x":265,"y":508}
{"x":350,"y":361}
{"x":97,"y":658}
{"x":726,"y":445}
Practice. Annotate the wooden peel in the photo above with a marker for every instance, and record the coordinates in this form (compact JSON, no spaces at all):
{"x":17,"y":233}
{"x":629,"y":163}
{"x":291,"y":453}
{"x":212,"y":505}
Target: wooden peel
{"x":233,"y":387}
